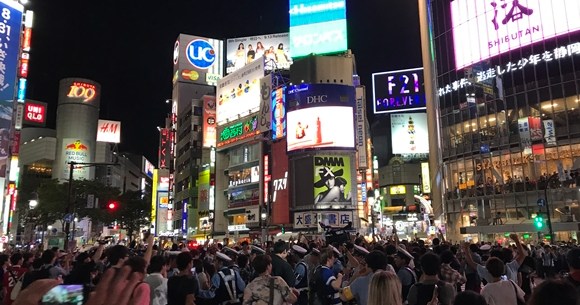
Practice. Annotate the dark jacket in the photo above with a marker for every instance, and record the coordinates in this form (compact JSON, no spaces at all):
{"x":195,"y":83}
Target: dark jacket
{"x":283,"y":269}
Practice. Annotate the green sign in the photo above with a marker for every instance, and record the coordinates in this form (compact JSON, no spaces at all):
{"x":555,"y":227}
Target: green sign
{"x":234,"y":132}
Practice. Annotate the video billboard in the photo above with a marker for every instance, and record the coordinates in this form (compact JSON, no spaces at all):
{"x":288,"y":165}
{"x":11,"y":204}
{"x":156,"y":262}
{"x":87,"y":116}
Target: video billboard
{"x":321,"y":127}
{"x":486,"y":28}
{"x":109,"y":131}
{"x":317,"y":26}
{"x":209,"y":121}
{"x":409,"y":133}
{"x":35,"y":113}
{"x":238,"y":94}
{"x":197,"y":60}
{"x":11,"y":19}
{"x":278,"y":113}
{"x":244,"y":50}
{"x":332,"y":179}
{"x":400,"y":90}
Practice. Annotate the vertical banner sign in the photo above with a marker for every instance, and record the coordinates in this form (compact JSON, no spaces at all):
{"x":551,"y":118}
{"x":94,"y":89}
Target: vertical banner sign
{"x":267,"y":179}
{"x":163,"y":148}
{"x":265,"y":103}
{"x":332,"y":179}
{"x":525,"y":138}
{"x":279,"y":113}
{"x":361,"y":134}
{"x":550,"y":132}
{"x":76,"y":150}
{"x":425,"y":178}
{"x":11,"y":19}
{"x":184,"y":213}
{"x":209,"y":122}
{"x":154,"y":202}
{"x":535,"y":128}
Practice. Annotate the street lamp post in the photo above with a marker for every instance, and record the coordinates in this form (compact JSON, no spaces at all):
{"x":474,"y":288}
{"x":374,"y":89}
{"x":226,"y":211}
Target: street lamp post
{"x":549,"y":218}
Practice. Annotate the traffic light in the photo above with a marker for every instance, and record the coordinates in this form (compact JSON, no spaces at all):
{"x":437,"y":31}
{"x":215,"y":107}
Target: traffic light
{"x":539,"y":222}
{"x":112,"y":206}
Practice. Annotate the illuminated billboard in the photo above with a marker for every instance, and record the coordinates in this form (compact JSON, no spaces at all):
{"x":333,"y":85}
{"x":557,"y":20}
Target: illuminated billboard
{"x":197,"y":60}
{"x":235,"y":132}
{"x":109,"y":131}
{"x":11,"y":19}
{"x":209,"y":121}
{"x":317,"y":26}
{"x":35,"y":113}
{"x":409,"y":133}
{"x":332,"y":179}
{"x":274,"y":47}
{"x":280,"y":189}
{"x":278,"y":113}
{"x":147,"y":168}
{"x":78,"y":151}
{"x":79,"y":91}
{"x":320,"y":127}
{"x":238,"y":94}
{"x":486,"y":28}
{"x":400,"y":90}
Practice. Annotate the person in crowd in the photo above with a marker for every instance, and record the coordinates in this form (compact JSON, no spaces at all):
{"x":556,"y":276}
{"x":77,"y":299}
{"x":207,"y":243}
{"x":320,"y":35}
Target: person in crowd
{"x":473,"y":281}
{"x":554,"y":292}
{"x":573,"y":260}
{"x":359,"y":288}
{"x":182,"y":287}
{"x":157,"y":280}
{"x":498,"y":291}
{"x":384,"y":288}
{"x":141,"y":293}
{"x":405,"y":273}
{"x":12,"y":276}
{"x":301,"y":274}
{"x":116,"y":256}
{"x":280,"y":267}
{"x":469,"y":297}
{"x":325,"y":286}
{"x":511,"y":267}
{"x":422,"y":292}
{"x":267,"y":289}
{"x":548,"y":261}
{"x":226,"y":284}
{"x":449,"y":274}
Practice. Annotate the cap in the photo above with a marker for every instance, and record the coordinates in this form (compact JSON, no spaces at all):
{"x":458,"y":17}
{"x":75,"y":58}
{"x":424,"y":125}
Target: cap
{"x":334,"y":249}
{"x":299,"y":249}
{"x":258,"y":250}
{"x":403,"y":253}
{"x":485,"y":247}
{"x":222,"y":257}
{"x":315,"y":251}
{"x":361,"y":250}
{"x":229,"y":250}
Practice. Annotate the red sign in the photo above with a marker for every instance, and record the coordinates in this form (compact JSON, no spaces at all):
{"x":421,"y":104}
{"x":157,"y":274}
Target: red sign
{"x":35,"y":113}
{"x":26,"y":39}
{"x":23,"y":71}
{"x":16,"y":143}
{"x":163,"y":153}
{"x":279,"y":179}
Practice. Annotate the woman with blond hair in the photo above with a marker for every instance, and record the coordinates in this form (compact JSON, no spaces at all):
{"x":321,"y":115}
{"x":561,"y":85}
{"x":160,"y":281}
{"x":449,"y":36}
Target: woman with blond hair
{"x":385,"y":288}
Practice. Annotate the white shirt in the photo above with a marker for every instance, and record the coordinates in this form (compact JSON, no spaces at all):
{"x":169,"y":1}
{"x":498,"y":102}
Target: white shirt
{"x":511,"y":270}
{"x":502,"y":293}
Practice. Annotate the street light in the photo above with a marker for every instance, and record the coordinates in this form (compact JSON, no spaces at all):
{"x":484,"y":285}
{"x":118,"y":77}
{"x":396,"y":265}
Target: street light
{"x":549,"y":219}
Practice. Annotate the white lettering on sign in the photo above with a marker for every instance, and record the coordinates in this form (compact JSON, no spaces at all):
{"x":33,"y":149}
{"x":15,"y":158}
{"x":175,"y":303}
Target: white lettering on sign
{"x":318,"y":38}
{"x":279,"y":185}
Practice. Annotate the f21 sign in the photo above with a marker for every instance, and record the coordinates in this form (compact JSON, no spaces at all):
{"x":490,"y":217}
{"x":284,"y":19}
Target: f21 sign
{"x":400,"y":90}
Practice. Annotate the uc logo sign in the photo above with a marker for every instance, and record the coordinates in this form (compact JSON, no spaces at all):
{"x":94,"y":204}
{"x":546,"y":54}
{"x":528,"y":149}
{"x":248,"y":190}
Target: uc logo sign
{"x":200,"y":54}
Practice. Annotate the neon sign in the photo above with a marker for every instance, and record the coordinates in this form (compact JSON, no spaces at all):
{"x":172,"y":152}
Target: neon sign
{"x":82,"y":90}
{"x":238,"y":131}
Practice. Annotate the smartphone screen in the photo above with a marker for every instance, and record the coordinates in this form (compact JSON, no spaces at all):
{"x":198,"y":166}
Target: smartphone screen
{"x":64,"y":294}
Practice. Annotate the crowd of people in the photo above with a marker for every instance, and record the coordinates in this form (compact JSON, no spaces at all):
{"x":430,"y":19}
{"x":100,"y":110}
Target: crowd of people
{"x":302,"y":272}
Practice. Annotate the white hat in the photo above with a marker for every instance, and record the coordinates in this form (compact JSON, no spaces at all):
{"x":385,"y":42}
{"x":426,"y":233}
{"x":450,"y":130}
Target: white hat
{"x":258,"y":250}
{"x":361,"y":250}
{"x":403,"y":252}
{"x":334,"y":249}
{"x":223,"y":257}
{"x":485,"y":247}
{"x":298,"y":249}
{"x":315,"y":250}
{"x":230,"y":250}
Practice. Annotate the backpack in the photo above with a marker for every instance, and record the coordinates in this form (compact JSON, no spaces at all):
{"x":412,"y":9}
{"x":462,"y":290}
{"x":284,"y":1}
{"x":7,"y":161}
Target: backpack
{"x":160,"y":294}
{"x":425,"y":292}
{"x":31,"y":276}
{"x":17,"y":287}
{"x":317,"y":289}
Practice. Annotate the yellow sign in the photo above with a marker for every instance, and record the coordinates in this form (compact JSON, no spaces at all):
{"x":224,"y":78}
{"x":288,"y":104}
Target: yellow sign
{"x":398,"y":190}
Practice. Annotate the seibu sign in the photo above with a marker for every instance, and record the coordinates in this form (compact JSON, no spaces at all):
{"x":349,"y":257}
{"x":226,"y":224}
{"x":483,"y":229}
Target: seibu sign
{"x":35,"y":113}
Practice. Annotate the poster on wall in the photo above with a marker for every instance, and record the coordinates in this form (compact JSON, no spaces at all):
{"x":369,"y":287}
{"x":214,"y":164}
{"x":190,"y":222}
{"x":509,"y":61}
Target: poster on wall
{"x":409,"y":133}
{"x":550,"y":133}
{"x":321,"y":127}
{"x":525,"y":137}
{"x":11,"y":19}
{"x":332,"y":179}
{"x":76,"y":150}
{"x":244,"y":50}
{"x":279,"y":113}
{"x":209,"y":121}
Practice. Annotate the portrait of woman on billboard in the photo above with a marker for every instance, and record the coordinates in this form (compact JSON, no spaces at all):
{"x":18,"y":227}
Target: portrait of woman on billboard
{"x":336,"y":190}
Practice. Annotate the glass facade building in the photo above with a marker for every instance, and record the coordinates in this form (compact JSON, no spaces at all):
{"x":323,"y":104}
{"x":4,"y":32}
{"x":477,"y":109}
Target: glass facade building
{"x":508,"y":87}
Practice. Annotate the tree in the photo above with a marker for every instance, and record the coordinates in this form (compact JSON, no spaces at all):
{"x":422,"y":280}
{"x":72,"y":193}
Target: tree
{"x":134,"y":211}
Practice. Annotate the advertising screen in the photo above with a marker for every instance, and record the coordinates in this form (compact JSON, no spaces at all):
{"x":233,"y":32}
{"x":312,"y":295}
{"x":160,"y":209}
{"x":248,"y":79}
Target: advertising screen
{"x":332,"y":179}
{"x":317,"y":26}
{"x":400,"y":90}
{"x":274,"y":47}
{"x":76,"y":150}
{"x":321,"y":127}
{"x":209,"y":121}
{"x":109,"y":131}
{"x":279,"y":113}
{"x":486,"y":28}
{"x":239,"y":93}
{"x":35,"y":113}
{"x":197,"y":60}
{"x":409,"y":133}
{"x":230,"y":134}
{"x":11,"y":19}
{"x":147,"y":168}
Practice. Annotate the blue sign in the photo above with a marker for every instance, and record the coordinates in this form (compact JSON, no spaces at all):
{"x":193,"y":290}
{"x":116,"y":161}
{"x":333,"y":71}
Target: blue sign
{"x":200,"y":54}
{"x":21,"y":89}
{"x":396,"y":91}
{"x":184,"y":217}
{"x":278,"y":121}
{"x":11,"y":19}
{"x":541,"y":202}
{"x":315,"y":95}
{"x":317,"y":26}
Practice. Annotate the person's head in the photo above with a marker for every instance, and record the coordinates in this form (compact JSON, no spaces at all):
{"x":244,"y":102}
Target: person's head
{"x":430,"y":263}
{"x":262,"y":264}
{"x":117,"y":255}
{"x":385,"y":288}
{"x":401,"y":259}
{"x":157,"y":264}
{"x":495,"y":267}
{"x":184,"y":261}
{"x":198,"y":265}
{"x":436,"y":241}
{"x":473,"y":248}
{"x":259,"y":45}
{"x":552,"y":292}
{"x":469,"y":297}
{"x":327,"y":257}
{"x":281,"y":46}
{"x":281,"y":248}
{"x":137,"y":264}
{"x":376,"y":260}
{"x":241,"y":46}
{"x":16,"y":259}
{"x":447,"y":257}
{"x":48,"y":257}
{"x":573,"y":259}
{"x":250,"y":47}
{"x":243,"y":261}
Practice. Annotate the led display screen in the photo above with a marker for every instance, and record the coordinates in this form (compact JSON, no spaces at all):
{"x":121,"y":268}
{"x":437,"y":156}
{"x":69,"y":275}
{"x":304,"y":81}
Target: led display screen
{"x":320,"y":127}
{"x":409,"y":133}
{"x":400,"y":90}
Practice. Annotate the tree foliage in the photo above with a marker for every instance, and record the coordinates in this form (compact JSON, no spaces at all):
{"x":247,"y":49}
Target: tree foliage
{"x":134,"y":211}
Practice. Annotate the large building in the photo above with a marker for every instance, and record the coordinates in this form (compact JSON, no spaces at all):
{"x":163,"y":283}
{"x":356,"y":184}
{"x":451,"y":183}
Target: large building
{"x":508,"y":89}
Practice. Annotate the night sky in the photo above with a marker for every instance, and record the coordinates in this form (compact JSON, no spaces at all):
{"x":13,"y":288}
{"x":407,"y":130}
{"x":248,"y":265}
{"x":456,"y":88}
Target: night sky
{"x":127,"y":46}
